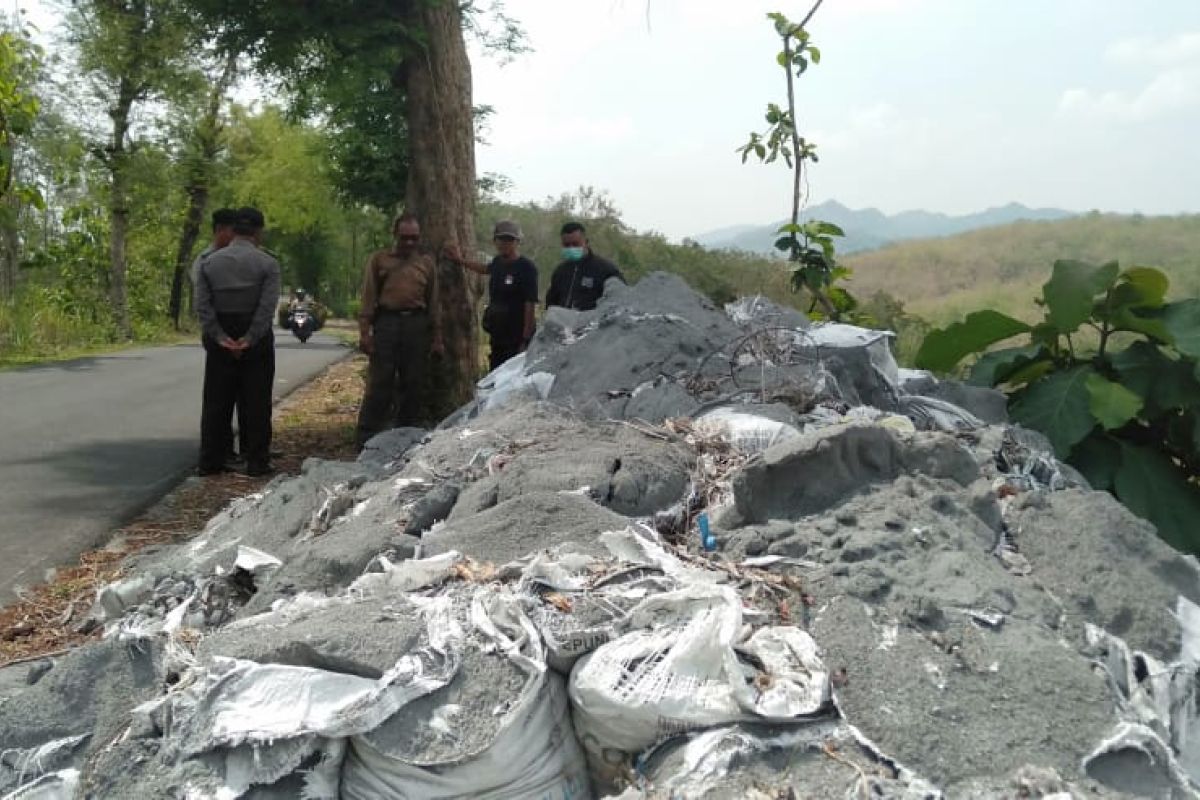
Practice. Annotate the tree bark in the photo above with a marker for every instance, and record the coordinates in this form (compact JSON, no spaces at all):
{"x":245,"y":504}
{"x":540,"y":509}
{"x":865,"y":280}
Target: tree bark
{"x":118,"y":205}
{"x":208,"y":145}
{"x":441,"y":182}
{"x":10,"y":249}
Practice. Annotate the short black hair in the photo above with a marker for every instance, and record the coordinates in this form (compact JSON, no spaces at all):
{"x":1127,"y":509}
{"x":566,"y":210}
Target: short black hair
{"x":248,"y":221}
{"x":223,"y":216}
{"x":571,"y":227}
{"x":407,"y":216}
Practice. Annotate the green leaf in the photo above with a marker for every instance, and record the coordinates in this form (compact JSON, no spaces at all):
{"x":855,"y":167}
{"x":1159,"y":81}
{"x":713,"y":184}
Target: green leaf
{"x":1045,"y":334}
{"x":784,"y":243}
{"x":1111,"y":403}
{"x":815,"y":54}
{"x":790,"y":227}
{"x":782,"y":58}
{"x":994,"y":368}
{"x":829,"y":229}
{"x":1163,"y":382}
{"x":1031,"y":372}
{"x":1154,"y":488}
{"x":1182,"y":321}
{"x":1148,"y":324}
{"x":944,"y":348}
{"x":1070,"y":291}
{"x":1058,"y":405}
{"x":1098,"y":457}
{"x":1141,"y":287}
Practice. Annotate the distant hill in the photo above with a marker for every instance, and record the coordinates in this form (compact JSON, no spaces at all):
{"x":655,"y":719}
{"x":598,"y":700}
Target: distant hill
{"x":870,"y":228}
{"x":1004,"y":267}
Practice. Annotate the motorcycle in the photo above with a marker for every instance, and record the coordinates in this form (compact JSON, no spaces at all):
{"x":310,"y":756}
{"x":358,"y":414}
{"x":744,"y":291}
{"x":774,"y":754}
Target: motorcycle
{"x":302,"y":324}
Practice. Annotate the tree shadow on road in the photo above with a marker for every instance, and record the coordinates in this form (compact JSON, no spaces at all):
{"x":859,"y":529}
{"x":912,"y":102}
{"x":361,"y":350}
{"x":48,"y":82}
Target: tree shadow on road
{"x":135,"y":465}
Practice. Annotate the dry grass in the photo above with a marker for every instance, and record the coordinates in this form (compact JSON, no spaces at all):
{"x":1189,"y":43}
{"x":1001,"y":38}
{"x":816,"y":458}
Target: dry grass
{"x":316,"y":420}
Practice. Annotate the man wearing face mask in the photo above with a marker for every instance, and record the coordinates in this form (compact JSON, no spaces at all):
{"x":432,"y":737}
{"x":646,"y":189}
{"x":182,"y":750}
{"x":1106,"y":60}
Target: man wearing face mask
{"x":399,"y":327}
{"x":578,"y":282}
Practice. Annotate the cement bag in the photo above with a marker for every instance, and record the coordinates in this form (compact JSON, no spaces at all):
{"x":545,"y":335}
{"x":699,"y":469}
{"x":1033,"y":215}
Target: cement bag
{"x":679,"y":671}
{"x":435,"y":748}
{"x":54,"y":786}
{"x":747,"y":433}
{"x":836,"y":335}
{"x":717,"y":762}
{"x":535,"y":756}
{"x":508,"y":381}
{"x":578,"y":602}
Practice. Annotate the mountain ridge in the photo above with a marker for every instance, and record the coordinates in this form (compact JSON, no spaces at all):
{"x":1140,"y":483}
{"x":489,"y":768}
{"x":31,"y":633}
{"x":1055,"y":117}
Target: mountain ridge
{"x":870,"y":228}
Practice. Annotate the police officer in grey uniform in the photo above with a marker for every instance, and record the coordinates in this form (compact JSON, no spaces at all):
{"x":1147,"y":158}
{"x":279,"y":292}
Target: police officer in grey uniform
{"x":237,"y":290}
{"x":222,"y":235}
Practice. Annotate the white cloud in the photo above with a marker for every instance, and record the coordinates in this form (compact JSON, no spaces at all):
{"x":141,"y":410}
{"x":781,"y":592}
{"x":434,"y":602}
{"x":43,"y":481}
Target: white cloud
{"x":1180,"y":49}
{"x":1170,"y":91}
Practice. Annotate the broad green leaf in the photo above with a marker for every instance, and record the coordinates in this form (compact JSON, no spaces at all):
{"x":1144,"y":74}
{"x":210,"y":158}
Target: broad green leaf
{"x":1111,"y":403}
{"x":1149,"y":323}
{"x":1182,"y":321}
{"x":1058,"y":405}
{"x":1150,"y":484}
{"x":944,"y":348}
{"x":815,"y":54}
{"x":1030,"y":372}
{"x":1097,"y":457}
{"x":994,"y":368}
{"x":1141,"y":287}
{"x":1071,"y":289}
{"x":790,"y":227}
{"x":784,"y":243}
{"x":1161,"y":381}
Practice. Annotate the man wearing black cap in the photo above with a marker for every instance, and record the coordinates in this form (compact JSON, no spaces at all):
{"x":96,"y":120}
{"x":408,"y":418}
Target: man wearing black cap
{"x":236,"y":293}
{"x":512,"y":292}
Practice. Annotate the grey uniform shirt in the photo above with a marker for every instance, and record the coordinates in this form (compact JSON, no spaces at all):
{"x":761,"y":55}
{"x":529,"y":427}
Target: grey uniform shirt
{"x":237,"y":279}
{"x":205,"y":253}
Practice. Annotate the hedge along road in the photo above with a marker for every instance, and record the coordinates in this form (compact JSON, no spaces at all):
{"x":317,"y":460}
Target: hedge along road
{"x":85,"y":445}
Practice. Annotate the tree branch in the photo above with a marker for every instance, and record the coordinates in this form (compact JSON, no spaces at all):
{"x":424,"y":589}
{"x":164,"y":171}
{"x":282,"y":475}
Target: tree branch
{"x":811,"y":12}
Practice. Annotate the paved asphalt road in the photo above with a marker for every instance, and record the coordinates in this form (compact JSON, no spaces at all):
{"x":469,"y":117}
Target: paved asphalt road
{"x":85,"y":445}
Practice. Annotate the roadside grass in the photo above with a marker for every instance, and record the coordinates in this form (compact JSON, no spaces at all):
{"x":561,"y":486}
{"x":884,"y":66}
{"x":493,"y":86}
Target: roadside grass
{"x":317,"y":420}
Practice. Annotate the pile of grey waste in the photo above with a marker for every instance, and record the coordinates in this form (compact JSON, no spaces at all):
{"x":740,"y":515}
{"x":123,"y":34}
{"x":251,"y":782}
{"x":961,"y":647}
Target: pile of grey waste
{"x":672,"y":551}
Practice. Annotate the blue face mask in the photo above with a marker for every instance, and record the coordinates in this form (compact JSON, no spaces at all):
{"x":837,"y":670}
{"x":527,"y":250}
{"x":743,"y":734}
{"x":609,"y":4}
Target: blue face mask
{"x":572,"y":253}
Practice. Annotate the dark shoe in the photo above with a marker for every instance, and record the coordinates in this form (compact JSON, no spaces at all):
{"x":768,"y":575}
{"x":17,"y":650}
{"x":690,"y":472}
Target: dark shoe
{"x":205,"y":472}
{"x":234,"y":462}
{"x":259,"y":470}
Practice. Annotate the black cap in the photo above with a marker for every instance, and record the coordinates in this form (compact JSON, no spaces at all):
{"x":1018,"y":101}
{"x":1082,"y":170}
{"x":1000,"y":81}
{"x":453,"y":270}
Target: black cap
{"x":249,"y":217}
{"x":224,"y":216}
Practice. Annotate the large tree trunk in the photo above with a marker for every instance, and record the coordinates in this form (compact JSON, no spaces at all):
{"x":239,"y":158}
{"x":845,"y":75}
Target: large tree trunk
{"x":118,"y":205}
{"x":10,"y":249}
{"x":208,"y":145}
{"x":441,"y":182}
{"x":197,"y":203}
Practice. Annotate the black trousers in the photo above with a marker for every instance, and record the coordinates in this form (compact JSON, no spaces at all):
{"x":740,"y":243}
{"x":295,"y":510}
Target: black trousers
{"x":398,"y":374}
{"x":245,"y":381}
{"x":504,"y":347}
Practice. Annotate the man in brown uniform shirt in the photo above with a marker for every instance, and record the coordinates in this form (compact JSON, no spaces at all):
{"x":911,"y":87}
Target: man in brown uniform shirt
{"x":398,"y":328}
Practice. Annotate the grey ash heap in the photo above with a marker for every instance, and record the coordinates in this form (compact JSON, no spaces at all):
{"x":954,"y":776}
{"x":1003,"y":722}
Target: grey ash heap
{"x":899,"y":596}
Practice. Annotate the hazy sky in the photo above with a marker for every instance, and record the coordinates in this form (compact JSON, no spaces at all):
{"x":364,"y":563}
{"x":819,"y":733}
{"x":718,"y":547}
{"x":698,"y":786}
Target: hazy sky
{"x":948,"y":105}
